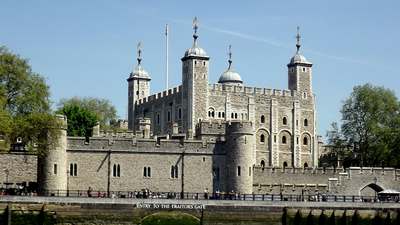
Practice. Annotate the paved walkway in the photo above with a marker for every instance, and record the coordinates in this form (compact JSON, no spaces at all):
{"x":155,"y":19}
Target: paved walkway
{"x":225,"y":203}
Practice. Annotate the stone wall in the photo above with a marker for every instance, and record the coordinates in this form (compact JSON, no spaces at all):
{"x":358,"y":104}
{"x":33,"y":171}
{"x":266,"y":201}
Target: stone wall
{"x":21,"y":167}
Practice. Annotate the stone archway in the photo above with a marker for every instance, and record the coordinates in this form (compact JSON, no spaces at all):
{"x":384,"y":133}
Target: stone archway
{"x":370,"y":189}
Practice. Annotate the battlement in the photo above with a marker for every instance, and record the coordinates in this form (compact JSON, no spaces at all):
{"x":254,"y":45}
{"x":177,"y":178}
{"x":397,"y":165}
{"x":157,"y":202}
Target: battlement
{"x":140,"y":145}
{"x":166,"y":93}
{"x":352,"y":171}
{"x":118,"y":134}
{"x":252,"y":90}
{"x":240,"y":127}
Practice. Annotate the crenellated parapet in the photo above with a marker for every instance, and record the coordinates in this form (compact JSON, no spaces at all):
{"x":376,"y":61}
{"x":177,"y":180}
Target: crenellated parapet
{"x":161,"y":95}
{"x":223,"y":88}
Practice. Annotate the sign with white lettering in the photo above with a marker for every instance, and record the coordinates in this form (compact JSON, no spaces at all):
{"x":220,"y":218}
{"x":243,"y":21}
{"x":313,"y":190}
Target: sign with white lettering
{"x":144,"y":205}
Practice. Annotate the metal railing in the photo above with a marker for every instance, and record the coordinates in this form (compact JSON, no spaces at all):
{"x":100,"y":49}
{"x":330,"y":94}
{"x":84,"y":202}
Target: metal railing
{"x":145,"y":194}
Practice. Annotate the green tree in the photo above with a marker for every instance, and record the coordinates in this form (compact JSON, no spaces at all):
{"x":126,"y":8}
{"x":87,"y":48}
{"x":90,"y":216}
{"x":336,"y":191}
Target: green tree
{"x":103,"y":108}
{"x":370,"y":124}
{"x":24,"y":103}
{"x":80,"y":120}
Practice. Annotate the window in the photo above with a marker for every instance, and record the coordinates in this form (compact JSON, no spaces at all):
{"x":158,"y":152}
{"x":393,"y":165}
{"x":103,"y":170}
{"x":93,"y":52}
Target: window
{"x":305,"y":165}
{"x":116,"y":170}
{"x":174,"y":171}
{"x":211,"y":113}
{"x":238,"y":171}
{"x":249,"y":171}
{"x":73,"y":169}
{"x":180,"y":113}
{"x":169,"y":116}
{"x":305,"y":122}
{"x":283,"y":139}
{"x":146,"y":171}
{"x":232,"y":115}
{"x":219,"y":114}
{"x":262,"y":164}
{"x":55,"y":169}
{"x":304,"y":69}
{"x":284,"y":121}
{"x":262,"y":120}
{"x":275,"y":138}
{"x":262,"y":138}
{"x":158,"y":118}
{"x":204,"y":63}
{"x":305,"y":141}
{"x":297,"y":140}
{"x":284,"y":164}
{"x":137,"y":92}
{"x":304,"y":94}
{"x":223,"y":114}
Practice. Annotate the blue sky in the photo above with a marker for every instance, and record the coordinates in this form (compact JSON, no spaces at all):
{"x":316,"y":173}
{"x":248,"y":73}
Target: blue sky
{"x":88,"y":48}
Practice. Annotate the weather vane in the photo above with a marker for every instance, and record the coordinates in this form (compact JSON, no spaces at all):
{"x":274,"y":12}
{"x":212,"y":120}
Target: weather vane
{"x":230,"y":56}
{"x":298,"y":39}
{"x":195,"y":24}
{"x":139,"y":52}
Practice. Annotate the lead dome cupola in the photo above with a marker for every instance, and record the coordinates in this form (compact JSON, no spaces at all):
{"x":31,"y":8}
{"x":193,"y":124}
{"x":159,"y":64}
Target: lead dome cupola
{"x":230,"y":76}
{"x":139,"y":71}
{"x":298,"y":58}
{"x":195,"y":50}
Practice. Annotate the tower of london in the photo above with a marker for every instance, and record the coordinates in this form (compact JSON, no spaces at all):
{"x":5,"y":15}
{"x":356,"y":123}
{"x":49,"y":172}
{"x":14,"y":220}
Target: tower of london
{"x":222,"y":137}
{"x":280,"y":125}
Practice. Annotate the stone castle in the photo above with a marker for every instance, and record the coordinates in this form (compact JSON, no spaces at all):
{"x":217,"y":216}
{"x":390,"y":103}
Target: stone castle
{"x":197,"y":136}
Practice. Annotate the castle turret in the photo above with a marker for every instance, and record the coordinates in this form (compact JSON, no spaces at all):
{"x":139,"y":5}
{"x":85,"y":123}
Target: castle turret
{"x":299,"y":72}
{"x":240,"y":158}
{"x":194,"y":84}
{"x":138,"y":88}
{"x":52,"y":166}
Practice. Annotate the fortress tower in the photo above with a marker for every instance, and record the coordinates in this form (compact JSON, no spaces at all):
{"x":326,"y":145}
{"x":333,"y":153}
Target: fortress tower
{"x":138,"y":87}
{"x":240,"y":156}
{"x":52,"y":167}
{"x":195,"y":84}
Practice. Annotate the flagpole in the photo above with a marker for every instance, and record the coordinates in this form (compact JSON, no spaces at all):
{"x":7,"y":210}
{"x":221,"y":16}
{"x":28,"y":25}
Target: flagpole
{"x":166,"y":56}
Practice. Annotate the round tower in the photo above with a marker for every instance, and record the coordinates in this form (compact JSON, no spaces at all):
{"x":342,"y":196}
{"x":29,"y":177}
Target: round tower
{"x":52,"y":166}
{"x":240,"y":157}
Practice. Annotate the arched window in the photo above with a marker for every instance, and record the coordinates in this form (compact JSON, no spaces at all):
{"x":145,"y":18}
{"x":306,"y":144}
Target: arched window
{"x":284,"y":121}
{"x":235,"y":115}
{"x":305,"y":141}
{"x":305,"y":122}
{"x":219,"y":114}
{"x":232,"y":115}
{"x":305,"y":165}
{"x":172,"y":171}
{"x":284,"y":164}
{"x":283,"y":139}
{"x":262,"y":164}
{"x":144,"y":171}
{"x":223,"y":114}
{"x":118,"y":171}
{"x":148,"y":171}
{"x":262,"y":120}
{"x":262,"y":138}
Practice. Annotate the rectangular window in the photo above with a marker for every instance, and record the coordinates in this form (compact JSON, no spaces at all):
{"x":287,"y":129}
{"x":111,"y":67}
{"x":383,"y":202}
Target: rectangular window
{"x":55,"y":169}
{"x":169,"y":116}
{"x":238,"y":171}
{"x":180,"y":113}
{"x":249,"y":171}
